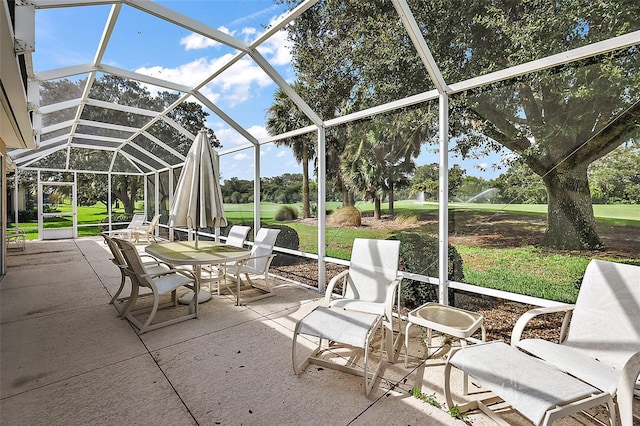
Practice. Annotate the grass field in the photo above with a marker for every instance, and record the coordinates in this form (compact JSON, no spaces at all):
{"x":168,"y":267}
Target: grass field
{"x":513,"y":265}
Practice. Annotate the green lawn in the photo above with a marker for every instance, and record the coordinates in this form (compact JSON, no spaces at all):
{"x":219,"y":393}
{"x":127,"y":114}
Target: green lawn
{"x":519,"y":268}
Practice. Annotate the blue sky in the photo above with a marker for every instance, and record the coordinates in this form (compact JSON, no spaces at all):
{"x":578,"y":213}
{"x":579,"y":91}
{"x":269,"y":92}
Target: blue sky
{"x":148,"y":45}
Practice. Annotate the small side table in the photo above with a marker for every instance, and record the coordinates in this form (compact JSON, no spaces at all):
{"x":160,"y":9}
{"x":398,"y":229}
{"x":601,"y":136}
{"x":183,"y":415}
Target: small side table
{"x":341,"y":328}
{"x":449,"y":320}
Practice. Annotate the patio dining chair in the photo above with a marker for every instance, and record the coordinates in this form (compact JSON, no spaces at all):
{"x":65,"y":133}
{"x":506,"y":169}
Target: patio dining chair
{"x":258,"y":263}
{"x":236,"y":238}
{"x":162,"y":283}
{"x":599,"y":344}
{"x":153,"y":265}
{"x":371,"y":285}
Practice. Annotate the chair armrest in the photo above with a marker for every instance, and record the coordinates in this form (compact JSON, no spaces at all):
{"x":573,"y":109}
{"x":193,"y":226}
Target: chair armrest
{"x":187,"y":273}
{"x":626,"y":384}
{"x":518,"y":328}
{"x":388,"y":301}
{"x":329,"y":291}
{"x":152,"y":261}
{"x":267,"y":265}
{"x":167,"y":272}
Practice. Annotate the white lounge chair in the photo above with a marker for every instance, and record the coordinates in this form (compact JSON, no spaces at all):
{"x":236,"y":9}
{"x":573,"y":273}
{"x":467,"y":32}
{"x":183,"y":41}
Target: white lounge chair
{"x":371,"y":285}
{"x":599,"y":345}
{"x":258,"y":263}
{"x":146,"y":231}
{"x":536,"y":389}
{"x":127,"y":233}
{"x":600,"y":336}
{"x":160,"y":283}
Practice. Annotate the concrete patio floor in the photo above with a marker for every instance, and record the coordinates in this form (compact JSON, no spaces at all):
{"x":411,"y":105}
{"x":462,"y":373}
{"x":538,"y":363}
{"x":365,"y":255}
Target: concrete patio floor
{"x":66,"y":359}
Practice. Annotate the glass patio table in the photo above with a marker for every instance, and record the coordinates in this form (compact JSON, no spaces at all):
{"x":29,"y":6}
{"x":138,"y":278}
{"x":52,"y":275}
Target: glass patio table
{"x":207,"y":253}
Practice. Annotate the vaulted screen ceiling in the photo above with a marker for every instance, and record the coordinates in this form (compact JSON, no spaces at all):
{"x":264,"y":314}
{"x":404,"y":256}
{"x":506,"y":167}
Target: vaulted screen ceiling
{"x":131,"y":139}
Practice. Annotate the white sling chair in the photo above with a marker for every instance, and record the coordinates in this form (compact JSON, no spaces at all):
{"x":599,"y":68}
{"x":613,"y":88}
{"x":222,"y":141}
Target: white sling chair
{"x":236,"y":238}
{"x":258,"y":263}
{"x":371,"y":285}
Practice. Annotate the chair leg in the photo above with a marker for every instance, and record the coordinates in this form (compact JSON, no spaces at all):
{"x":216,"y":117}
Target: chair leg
{"x":115,"y":299}
{"x":156,"y":301}
{"x":115,"y":296}
{"x":392,"y":347}
{"x":135,"y":291}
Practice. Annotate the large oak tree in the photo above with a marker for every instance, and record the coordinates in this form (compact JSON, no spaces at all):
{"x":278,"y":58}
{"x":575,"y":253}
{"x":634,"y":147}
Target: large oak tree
{"x":558,"y":121}
{"x":110,"y":88}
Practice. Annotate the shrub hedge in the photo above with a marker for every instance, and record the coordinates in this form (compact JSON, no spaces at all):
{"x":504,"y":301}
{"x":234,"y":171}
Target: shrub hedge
{"x":419,"y":255}
{"x":285,"y":213}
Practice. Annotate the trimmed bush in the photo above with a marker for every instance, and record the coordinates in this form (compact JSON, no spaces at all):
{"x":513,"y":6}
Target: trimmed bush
{"x":347,"y":215}
{"x":286,"y":213}
{"x":26,"y":216}
{"x":287,"y":238}
{"x":406,"y":219}
{"x":419,"y":255}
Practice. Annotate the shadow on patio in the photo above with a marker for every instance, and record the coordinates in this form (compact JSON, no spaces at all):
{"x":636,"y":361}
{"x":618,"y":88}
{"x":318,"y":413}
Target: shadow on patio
{"x":67,"y":359}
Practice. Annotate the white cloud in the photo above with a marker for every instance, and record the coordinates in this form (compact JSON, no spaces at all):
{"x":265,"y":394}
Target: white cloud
{"x":259,"y":132}
{"x":196,"y":41}
{"x":248,"y":33}
{"x":482,"y":166}
{"x":277,"y":49}
{"x":233,"y":86}
{"x":281,"y":154}
{"x":241,"y":157}
{"x":237,"y":83}
{"x":229,"y":137}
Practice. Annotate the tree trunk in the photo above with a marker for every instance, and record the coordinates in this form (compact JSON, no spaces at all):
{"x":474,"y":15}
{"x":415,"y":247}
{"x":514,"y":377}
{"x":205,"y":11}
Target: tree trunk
{"x":391,"y":200}
{"x":571,"y":223}
{"x":306,"y":204}
{"x":126,"y":194}
{"x":345,"y":197}
{"x":377,"y":210}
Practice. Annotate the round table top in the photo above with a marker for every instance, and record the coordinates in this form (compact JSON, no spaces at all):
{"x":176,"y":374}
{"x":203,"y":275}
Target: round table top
{"x":442,"y":317}
{"x":208,"y":252}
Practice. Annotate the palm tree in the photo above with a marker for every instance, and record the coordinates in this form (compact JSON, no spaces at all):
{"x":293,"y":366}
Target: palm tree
{"x":284,"y":116}
{"x":378,"y":159}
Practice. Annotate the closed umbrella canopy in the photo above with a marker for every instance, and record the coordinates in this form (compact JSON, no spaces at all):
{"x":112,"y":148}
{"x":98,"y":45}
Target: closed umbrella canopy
{"x":197,"y":202}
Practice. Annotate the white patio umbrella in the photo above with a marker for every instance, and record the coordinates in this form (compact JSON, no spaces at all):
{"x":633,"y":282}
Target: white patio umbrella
{"x":197,"y":202}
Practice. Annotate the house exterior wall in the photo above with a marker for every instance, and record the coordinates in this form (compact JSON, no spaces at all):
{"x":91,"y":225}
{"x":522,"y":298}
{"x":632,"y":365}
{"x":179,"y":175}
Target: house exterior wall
{"x":16,"y":130}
